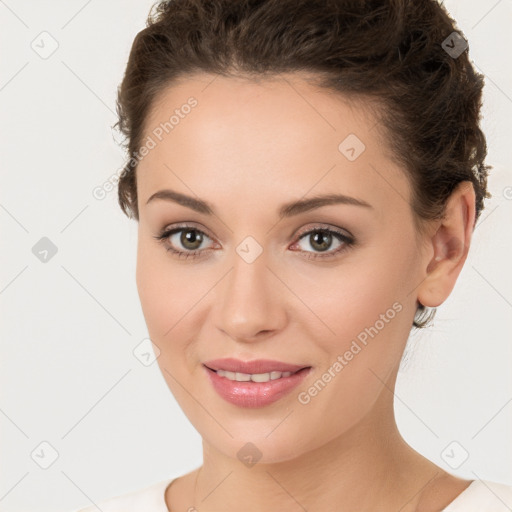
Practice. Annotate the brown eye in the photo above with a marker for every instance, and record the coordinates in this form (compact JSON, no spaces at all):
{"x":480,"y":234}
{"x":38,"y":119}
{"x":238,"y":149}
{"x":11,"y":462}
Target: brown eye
{"x":320,"y":240}
{"x":191,"y":239}
{"x":184,"y":241}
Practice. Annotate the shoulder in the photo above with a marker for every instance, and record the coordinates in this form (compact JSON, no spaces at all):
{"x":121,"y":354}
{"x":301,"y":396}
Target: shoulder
{"x":149,"y":498}
{"x":483,"y":496}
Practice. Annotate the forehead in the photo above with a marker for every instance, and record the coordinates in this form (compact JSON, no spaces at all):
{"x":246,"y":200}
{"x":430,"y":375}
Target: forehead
{"x":265,"y":106}
{"x":277,"y":137}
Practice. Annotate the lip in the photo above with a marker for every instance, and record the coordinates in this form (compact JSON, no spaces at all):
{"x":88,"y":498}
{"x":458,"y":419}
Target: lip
{"x":255,"y":394}
{"x":255,"y":366}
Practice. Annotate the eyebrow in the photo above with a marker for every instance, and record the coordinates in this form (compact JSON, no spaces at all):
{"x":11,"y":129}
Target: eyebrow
{"x":286,"y":210}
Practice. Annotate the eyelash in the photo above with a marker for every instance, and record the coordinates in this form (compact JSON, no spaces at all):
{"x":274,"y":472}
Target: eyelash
{"x":347,"y":241}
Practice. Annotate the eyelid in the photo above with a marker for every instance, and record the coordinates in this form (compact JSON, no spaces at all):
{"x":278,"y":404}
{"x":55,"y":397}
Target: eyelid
{"x":184,"y":225}
{"x":346,"y":238}
{"x":298,"y":234}
{"x":170,"y":230}
{"x":320,"y":226}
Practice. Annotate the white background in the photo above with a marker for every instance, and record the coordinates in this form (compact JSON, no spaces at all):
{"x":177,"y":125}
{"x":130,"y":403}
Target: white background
{"x":69,"y":326}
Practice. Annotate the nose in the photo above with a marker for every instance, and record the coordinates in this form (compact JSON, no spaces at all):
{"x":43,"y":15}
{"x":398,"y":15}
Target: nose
{"x":249,"y":304}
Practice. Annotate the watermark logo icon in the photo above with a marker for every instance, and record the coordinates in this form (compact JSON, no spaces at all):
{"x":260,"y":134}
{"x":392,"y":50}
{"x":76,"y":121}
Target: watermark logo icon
{"x":45,"y":45}
{"x":351,"y":147}
{"x":146,"y":353}
{"x":249,"y":454}
{"x":249,"y":249}
{"x":455,"y":455}
{"x":44,"y":455}
{"x":454,"y":45}
{"x":44,"y":250}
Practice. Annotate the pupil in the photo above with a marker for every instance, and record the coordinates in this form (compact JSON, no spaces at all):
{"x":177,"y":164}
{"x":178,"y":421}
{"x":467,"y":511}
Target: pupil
{"x":322,"y":246}
{"x":190,"y":237}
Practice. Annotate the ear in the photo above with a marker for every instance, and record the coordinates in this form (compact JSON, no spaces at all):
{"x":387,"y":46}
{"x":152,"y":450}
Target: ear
{"x":448,"y":247}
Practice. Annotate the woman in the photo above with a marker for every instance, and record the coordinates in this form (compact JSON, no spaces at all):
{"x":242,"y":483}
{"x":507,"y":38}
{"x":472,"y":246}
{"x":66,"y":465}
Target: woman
{"x":306,"y":177}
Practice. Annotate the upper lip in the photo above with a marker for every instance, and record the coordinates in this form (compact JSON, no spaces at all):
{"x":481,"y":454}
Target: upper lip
{"x":253,"y":367}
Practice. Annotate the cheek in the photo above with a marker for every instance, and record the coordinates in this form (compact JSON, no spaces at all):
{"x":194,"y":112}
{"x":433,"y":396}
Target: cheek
{"x":366,"y":290}
{"x":363,"y":313}
{"x":151,"y":287}
{"x":163,"y":293}
{"x":170,"y":295}
{"x":363,"y":307}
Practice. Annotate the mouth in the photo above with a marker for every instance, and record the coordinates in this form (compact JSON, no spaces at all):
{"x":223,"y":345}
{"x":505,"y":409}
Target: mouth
{"x":255,"y":377}
{"x":254,"y":367}
{"x":254,"y":384}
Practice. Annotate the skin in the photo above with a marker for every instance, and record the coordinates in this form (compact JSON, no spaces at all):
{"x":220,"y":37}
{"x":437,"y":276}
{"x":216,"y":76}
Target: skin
{"x":247,"y":148}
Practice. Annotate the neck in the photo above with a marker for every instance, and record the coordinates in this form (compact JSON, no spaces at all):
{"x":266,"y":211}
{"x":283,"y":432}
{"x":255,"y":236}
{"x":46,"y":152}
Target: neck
{"x":370,"y":467}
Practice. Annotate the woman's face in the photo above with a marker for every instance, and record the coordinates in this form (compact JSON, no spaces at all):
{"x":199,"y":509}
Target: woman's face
{"x":257,"y":287}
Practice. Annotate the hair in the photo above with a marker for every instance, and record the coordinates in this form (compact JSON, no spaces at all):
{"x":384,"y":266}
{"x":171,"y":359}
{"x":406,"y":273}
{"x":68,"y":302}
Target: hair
{"x":387,"y":51}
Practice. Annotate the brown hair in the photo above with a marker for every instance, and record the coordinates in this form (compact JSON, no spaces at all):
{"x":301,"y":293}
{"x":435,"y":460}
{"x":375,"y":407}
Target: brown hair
{"x":393,"y":51}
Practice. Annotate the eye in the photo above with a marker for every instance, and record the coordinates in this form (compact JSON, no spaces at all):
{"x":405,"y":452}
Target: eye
{"x":186,"y":241}
{"x":187,"y":237}
{"x":321,"y":239}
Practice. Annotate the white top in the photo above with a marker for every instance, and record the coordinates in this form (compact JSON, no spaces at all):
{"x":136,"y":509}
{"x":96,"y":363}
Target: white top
{"x":479,"y":496}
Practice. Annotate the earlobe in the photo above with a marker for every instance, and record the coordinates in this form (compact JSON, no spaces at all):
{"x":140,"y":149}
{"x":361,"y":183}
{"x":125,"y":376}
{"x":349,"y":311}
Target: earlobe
{"x":450,"y":245}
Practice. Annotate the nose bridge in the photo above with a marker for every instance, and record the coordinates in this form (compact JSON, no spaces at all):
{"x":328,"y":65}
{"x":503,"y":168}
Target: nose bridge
{"x":247,"y":302}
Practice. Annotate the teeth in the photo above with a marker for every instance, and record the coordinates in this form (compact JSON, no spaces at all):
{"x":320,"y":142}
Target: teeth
{"x":255,"y":377}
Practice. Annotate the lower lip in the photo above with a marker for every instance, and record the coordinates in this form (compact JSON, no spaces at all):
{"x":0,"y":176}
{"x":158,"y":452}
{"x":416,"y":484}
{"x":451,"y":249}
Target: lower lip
{"x":254,"y":394}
